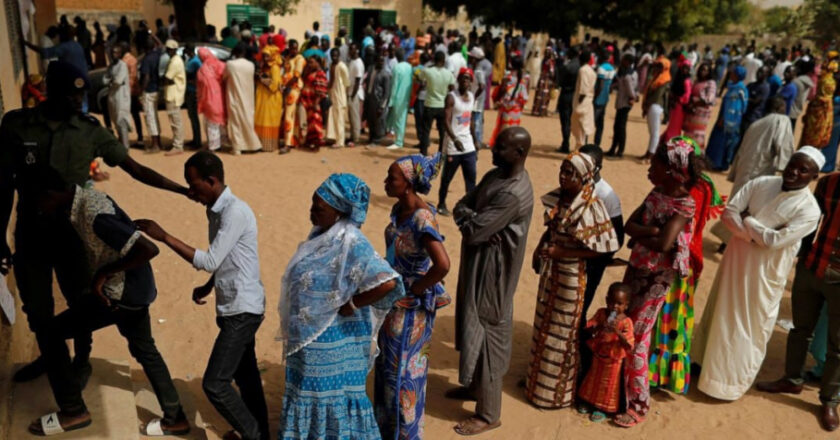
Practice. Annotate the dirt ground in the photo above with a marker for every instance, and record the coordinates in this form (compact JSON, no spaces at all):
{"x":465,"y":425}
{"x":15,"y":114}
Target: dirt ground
{"x":279,"y":190}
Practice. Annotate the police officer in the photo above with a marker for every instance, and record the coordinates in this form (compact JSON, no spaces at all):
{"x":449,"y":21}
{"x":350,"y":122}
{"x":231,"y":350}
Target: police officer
{"x":56,"y":133}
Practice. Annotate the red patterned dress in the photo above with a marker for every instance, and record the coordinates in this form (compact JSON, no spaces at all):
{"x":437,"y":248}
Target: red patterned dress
{"x":314,"y":90}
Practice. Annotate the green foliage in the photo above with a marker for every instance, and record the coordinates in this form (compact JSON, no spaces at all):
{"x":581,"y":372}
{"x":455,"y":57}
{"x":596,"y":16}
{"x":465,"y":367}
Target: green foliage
{"x":276,"y":7}
{"x":825,"y":16}
{"x":667,"y":20}
{"x":814,"y":19}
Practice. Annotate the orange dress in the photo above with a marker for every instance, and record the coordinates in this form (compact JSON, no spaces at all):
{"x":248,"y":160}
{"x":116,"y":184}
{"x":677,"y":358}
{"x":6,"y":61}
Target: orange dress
{"x":602,"y":385}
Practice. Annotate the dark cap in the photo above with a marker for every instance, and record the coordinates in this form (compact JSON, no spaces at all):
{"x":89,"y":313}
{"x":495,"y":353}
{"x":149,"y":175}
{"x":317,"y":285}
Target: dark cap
{"x":64,"y":79}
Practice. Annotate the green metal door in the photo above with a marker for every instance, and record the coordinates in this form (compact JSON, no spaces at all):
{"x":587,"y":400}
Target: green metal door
{"x":387,"y":18}
{"x":258,"y":17}
{"x":345,"y":20}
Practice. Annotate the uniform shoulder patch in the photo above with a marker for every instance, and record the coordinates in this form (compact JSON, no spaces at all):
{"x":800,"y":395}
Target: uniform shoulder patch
{"x":90,"y":119}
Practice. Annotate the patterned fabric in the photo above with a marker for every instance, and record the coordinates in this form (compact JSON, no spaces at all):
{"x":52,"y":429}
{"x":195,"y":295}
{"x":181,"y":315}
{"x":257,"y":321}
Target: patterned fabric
{"x":726,"y":135}
{"x":658,"y":210}
{"x":314,"y":90}
{"x":404,"y":340}
{"x":348,"y":194}
{"x":670,"y":363}
{"x":699,"y":113}
{"x":822,"y":250}
{"x":602,"y":385}
{"x":649,"y":291}
{"x":679,"y":152}
{"x":819,"y":116}
{"x":511,"y":97}
{"x":292,"y":71}
{"x":542,"y":95}
{"x":420,"y":170}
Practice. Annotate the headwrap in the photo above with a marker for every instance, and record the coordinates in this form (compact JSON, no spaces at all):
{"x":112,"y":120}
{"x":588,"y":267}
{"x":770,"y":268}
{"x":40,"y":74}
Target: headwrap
{"x":664,"y":76}
{"x":348,"y":194}
{"x":740,"y":72}
{"x":271,"y":55}
{"x":420,"y":170}
{"x":279,"y":40}
{"x":586,"y":218}
{"x":683,"y":60}
{"x":813,"y":153}
{"x":679,"y":152}
{"x":171,"y":44}
{"x":466,"y":71}
{"x":718,"y":202}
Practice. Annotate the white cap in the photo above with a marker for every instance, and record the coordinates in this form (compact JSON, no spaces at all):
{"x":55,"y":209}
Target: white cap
{"x":813,"y":153}
{"x":171,"y":44}
{"x":476,"y":52}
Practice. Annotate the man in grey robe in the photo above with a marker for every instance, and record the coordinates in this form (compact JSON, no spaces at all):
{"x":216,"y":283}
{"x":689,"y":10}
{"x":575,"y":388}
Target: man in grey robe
{"x":494,"y":220}
{"x":377,"y":92}
{"x":119,"y":95}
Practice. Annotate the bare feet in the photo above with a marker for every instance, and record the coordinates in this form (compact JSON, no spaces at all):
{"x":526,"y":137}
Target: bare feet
{"x":475,"y":425}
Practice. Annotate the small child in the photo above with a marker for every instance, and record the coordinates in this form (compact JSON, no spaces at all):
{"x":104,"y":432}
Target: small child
{"x":612,"y":340}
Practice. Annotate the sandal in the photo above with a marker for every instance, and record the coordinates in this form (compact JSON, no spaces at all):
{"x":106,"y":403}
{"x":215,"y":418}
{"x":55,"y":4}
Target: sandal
{"x":634,"y":419}
{"x":474,"y":426}
{"x":155,"y":429}
{"x":51,"y":425}
{"x":597,"y":417}
{"x":583,"y":408}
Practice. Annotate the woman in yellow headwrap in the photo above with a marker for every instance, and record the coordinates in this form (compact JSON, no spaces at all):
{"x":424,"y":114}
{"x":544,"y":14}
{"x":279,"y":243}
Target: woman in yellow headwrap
{"x":819,"y":116}
{"x":269,"y":108}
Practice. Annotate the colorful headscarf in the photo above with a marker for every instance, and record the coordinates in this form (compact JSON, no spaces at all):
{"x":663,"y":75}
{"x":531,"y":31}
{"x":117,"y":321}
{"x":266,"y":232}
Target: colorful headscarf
{"x":271,"y":55}
{"x":420,"y":170}
{"x":679,"y":151}
{"x":348,"y":194}
{"x":584,"y":165}
{"x":279,"y":40}
{"x":740,"y":72}
{"x":466,"y":71}
{"x":664,"y":76}
{"x":717,"y":201}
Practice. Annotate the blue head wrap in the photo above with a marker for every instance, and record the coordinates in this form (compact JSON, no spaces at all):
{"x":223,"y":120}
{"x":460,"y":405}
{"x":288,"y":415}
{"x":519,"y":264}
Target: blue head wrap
{"x":420,"y":170}
{"x":740,"y":72}
{"x":348,"y":194}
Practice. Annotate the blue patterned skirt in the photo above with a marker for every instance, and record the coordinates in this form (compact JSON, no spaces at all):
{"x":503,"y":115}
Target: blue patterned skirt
{"x":325,"y":386}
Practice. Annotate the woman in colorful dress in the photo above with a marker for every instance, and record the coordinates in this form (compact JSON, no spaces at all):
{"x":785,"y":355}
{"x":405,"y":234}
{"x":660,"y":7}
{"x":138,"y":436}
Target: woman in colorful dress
{"x":723,"y":143}
{"x":292,"y":84}
{"x":269,"y":108}
{"x":699,"y":109}
{"x":679,"y":98}
{"x":661,"y":230}
{"x":819,"y":115}
{"x":545,"y":84}
{"x":416,"y":252}
{"x":670,"y":363}
{"x":578,"y":228}
{"x":510,"y":97}
{"x":335,"y":294}
{"x":314,"y":91}
{"x":830,"y":151}
{"x":211,"y":97}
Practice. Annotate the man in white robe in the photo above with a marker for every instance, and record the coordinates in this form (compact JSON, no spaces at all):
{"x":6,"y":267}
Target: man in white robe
{"x":583,"y":115}
{"x":768,"y":218}
{"x":239,"y":87}
{"x":119,"y":95}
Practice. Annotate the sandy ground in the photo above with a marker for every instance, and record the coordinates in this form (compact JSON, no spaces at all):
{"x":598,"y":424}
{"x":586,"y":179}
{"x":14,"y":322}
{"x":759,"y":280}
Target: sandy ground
{"x":279,"y":189}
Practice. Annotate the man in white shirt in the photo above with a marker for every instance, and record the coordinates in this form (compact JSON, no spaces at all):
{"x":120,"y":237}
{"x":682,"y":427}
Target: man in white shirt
{"x":460,"y":138}
{"x":233,"y":260}
{"x":455,"y":60}
{"x":354,"y":100}
{"x":752,"y":64}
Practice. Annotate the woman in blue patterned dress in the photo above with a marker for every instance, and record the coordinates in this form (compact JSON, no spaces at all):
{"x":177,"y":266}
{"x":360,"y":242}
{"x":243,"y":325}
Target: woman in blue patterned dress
{"x":335,"y":294}
{"x":416,"y":252}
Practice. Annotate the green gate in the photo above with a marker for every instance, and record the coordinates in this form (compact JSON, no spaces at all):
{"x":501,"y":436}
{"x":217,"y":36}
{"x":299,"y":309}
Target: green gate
{"x":258,"y":17}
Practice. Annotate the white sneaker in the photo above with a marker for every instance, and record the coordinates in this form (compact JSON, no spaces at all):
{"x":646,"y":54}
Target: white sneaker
{"x":394,"y":147}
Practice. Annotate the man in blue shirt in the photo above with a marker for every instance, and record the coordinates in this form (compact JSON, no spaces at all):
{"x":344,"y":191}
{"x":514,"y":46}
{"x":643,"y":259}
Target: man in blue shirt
{"x":149,"y":78}
{"x":606,"y":73}
{"x":68,"y":51}
{"x":190,"y":97}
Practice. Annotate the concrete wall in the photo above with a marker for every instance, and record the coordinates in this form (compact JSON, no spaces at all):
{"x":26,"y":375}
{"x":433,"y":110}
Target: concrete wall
{"x":110,"y":11}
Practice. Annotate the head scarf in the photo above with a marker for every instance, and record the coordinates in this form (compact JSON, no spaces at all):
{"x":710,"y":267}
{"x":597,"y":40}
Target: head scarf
{"x":813,"y":154}
{"x":271,"y":55}
{"x":740,"y":72}
{"x":466,"y":71}
{"x":718,"y":202}
{"x":586,"y":218}
{"x":420,"y":170}
{"x":348,"y":194}
{"x":679,"y":152}
{"x":279,"y":40}
{"x":664,"y":76}
{"x":209,"y":89}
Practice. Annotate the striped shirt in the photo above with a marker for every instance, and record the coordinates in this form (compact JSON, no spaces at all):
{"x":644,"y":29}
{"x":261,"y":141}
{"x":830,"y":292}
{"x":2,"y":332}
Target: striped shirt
{"x":827,"y":241}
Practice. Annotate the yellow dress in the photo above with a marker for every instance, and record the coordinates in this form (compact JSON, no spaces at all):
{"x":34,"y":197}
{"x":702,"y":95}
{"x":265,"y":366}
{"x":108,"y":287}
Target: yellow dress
{"x":269,"y":108}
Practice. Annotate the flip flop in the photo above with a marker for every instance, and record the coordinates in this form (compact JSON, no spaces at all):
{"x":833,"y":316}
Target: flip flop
{"x":597,"y":417}
{"x":465,"y":431}
{"x":50,"y":425}
{"x":584,"y":409}
{"x":635,"y":419}
{"x":155,"y":429}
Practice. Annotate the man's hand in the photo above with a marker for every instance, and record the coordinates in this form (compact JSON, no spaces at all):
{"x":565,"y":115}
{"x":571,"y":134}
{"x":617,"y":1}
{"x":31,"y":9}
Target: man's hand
{"x":459,"y":145}
{"x":346,"y":310}
{"x":553,"y":252}
{"x":151,"y":228}
{"x":99,"y":281}
{"x":201,"y":292}
{"x":5,"y":258}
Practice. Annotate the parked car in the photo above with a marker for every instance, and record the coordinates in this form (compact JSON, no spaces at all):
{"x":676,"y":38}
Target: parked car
{"x":100,"y":91}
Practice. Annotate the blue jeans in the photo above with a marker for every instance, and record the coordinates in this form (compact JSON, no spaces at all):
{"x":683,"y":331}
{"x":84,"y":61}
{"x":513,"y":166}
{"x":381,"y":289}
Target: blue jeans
{"x":234,"y":358}
{"x":478,"y":126}
{"x":467,"y":163}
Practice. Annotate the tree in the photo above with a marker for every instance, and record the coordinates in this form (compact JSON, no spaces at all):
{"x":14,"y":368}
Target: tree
{"x":192,"y":24}
{"x":825,"y":14}
{"x":667,"y":20}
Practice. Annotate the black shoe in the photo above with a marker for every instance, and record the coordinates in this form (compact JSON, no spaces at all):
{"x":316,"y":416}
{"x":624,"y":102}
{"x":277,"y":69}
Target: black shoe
{"x":31,"y":371}
{"x":563,"y":149}
{"x":83,"y":370}
{"x":443,"y":211}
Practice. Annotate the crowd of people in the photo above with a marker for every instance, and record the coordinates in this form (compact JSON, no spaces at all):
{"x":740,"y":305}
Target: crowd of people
{"x":345,"y":310}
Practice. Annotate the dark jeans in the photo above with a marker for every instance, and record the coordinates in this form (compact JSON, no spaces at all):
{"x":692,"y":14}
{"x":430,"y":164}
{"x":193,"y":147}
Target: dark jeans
{"x":600,"y":111}
{"x":43,"y":246}
{"x":137,"y":115}
{"x":620,"y":131}
{"x":564,"y":108}
{"x":134,"y":325}
{"x":419,"y":105}
{"x":809,"y":293}
{"x":792,"y":124}
{"x":234,"y":358}
{"x":191,"y":99}
{"x":467,"y":163}
{"x":432,"y":115}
